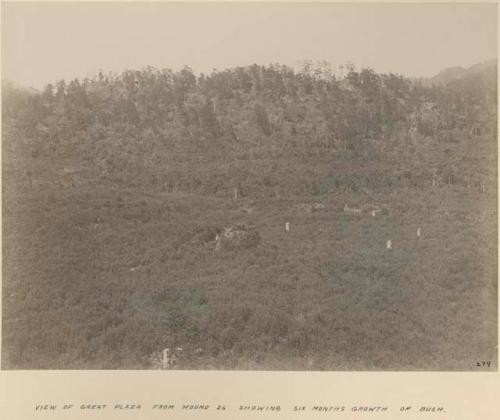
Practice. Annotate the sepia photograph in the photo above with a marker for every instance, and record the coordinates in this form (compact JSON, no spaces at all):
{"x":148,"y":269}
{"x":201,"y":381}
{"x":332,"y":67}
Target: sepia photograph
{"x":249,"y":186}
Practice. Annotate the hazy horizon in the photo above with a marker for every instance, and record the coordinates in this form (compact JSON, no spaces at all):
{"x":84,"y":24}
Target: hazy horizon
{"x":64,"y":41}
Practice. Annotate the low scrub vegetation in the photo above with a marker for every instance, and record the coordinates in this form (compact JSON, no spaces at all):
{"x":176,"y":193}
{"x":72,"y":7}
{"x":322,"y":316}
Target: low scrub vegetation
{"x":121,"y":193}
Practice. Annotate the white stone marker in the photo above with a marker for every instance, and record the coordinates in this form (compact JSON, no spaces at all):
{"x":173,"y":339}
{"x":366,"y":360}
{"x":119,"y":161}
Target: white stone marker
{"x":166,"y":359}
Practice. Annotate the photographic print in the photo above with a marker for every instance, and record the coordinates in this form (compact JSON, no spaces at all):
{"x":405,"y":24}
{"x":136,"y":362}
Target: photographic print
{"x":249,"y":186}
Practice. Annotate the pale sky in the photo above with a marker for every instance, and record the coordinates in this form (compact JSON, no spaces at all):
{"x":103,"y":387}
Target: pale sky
{"x":42,"y":43}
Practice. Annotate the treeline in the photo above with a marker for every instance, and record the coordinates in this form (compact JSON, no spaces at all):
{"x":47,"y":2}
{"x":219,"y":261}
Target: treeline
{"x":137,"y":121}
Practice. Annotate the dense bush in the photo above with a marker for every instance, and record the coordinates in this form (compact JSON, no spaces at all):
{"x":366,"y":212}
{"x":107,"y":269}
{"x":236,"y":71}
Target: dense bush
{"x":115,"y":188}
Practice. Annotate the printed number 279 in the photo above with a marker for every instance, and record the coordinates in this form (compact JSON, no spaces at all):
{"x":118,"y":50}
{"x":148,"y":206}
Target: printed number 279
{"x":484,"y":364}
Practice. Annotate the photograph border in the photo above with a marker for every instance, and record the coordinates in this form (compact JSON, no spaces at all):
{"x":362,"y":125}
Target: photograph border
{"x":461,"y":396}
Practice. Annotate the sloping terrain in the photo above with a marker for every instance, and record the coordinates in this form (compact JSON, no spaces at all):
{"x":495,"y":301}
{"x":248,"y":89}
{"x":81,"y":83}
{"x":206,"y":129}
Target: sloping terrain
{"x":111,"y":224}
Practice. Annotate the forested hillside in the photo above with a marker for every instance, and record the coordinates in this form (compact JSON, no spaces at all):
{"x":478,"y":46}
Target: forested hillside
{"x":120,"y":194}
